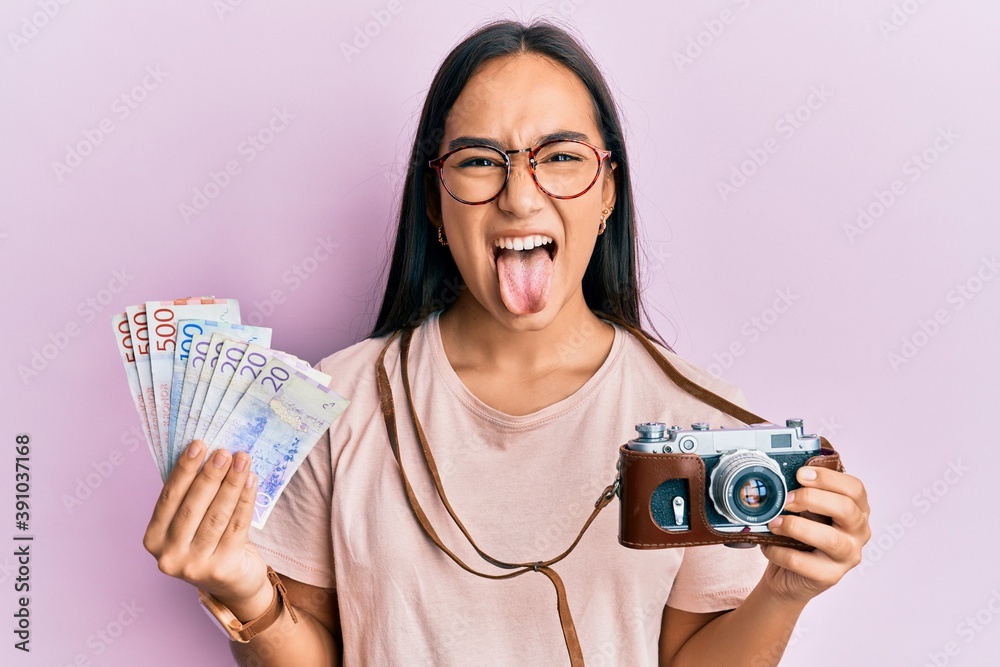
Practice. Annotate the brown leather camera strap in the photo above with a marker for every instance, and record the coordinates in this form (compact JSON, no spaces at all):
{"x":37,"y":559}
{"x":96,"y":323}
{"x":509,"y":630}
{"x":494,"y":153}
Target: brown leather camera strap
{"x":696,"y":390}
{"x":389,"y":413}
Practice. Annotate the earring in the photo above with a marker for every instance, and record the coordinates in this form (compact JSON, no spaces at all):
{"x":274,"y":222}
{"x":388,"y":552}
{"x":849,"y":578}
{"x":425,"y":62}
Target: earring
{"x":441,"y":238}
{"x":604,"y":225}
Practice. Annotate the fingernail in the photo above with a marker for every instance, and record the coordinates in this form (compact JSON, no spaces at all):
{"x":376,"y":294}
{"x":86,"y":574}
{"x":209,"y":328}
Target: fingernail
{"x":251,"y":480}
{"x":194,"y":449}
{"x":807,"y":473}
{"x":790,"y":499}
{"x":776,"y":522}
{"x":240,"y":462}
{"x":219,"y":459}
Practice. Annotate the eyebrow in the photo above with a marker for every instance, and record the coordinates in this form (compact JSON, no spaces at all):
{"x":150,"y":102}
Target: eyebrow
{"x":562,"y":135}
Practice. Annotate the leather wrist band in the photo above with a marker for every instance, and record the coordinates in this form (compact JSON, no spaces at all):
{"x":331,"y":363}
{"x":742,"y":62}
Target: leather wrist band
{"x":241,"y":632}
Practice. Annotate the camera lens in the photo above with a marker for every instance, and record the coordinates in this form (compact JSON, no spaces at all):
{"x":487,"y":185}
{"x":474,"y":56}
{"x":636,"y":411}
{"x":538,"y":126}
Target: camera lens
{"x":753,"y":494}
{"x":747,"y":487}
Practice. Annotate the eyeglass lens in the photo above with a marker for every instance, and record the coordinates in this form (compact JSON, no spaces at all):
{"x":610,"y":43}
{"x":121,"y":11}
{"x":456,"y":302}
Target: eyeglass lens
{"x":563,"y":169}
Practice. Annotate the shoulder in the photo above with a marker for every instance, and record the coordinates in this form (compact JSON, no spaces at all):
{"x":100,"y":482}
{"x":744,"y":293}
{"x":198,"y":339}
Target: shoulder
{"x":352,"y":372}
{"x":353,"y":366}
{"x":353,"y":369}
{"x":638,"y":359}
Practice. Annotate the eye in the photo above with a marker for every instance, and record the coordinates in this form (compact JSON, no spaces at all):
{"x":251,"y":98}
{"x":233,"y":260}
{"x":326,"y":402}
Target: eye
{"x":478,"y":162}
{"x":562,"y":157}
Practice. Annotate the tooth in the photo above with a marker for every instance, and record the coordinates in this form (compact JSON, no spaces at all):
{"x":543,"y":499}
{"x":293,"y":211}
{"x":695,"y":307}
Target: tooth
{"x":508,"y":244}
{"x":529,"y":243}
{"x":518,"y":244}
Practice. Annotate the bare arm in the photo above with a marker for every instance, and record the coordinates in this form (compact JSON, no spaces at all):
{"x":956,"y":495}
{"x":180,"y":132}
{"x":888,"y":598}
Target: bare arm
{"x":755,"y":633}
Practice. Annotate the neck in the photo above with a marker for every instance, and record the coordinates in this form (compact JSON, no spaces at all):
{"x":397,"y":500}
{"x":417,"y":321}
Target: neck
{"x":479,"y":340}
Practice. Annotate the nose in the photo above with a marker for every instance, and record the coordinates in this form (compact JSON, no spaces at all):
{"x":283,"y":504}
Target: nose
{"x":521,"y":196}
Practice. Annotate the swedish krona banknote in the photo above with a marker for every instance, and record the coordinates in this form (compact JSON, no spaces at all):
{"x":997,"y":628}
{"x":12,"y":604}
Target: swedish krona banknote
{"x":194,"y":372}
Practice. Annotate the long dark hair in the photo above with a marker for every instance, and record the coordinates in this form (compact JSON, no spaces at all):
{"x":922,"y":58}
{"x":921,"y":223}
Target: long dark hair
{"x":423,"y":276}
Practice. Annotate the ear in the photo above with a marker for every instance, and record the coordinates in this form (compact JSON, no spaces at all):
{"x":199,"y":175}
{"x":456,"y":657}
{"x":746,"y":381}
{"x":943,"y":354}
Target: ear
{"x":610,"y":191}
{"x":432,"y":197}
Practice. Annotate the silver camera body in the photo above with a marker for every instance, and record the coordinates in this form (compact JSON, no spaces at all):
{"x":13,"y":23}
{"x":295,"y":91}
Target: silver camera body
{"x":749,"y":472}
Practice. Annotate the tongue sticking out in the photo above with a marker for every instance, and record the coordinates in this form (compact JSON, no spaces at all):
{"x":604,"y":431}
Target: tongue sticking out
{"x":525,"y":279}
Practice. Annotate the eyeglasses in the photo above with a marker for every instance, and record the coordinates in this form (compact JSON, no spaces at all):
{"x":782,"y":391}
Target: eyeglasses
{"x":562,"y":169}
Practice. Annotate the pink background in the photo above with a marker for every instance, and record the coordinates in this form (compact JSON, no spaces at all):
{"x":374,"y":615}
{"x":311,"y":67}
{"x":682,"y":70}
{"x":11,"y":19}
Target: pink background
{"x":711,"y":264}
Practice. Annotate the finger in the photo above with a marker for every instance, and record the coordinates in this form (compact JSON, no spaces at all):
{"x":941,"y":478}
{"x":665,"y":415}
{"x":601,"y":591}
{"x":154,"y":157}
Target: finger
{"x":814,"y":566}
{"x":175,"y":488}
{"x":239,"y":525}
{"x":838,"y":482}
{"x":199,"y":496}
{"x":220,"y":511}
{"x":831,"y":541}
{"x":842,"y":509}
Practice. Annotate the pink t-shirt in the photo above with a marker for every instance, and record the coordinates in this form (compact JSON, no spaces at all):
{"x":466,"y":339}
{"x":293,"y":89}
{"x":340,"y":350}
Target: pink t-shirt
{"x":523,"y":486}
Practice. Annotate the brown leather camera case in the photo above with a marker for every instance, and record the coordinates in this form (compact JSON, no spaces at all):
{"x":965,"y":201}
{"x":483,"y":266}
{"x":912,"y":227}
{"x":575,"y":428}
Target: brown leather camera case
{"x":642,"y":472}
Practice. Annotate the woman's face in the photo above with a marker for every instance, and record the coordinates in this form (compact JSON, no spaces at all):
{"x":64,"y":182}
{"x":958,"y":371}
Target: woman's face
{"x":517,"y":102}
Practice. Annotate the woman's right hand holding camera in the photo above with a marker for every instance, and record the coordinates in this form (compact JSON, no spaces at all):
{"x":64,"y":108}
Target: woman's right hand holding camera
{"x":199,"y":529}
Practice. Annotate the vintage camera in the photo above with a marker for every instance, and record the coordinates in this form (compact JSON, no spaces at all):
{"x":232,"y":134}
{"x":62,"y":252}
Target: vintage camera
{"x":704,"y":485}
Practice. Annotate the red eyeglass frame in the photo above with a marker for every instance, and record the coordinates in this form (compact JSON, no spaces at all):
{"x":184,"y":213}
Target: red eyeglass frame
{"x":437,"y":163}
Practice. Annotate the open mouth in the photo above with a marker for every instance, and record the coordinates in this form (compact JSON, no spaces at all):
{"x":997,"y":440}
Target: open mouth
{"x":548,"y":244}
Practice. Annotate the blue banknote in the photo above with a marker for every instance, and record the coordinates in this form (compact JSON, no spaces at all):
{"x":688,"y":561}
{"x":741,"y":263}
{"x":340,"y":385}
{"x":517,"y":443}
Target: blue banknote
{"x":186,"y":331}
{"x":278,"y":420}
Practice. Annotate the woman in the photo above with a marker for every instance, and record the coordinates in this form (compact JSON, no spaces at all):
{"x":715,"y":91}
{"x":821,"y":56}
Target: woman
{"x":523,"y":394}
